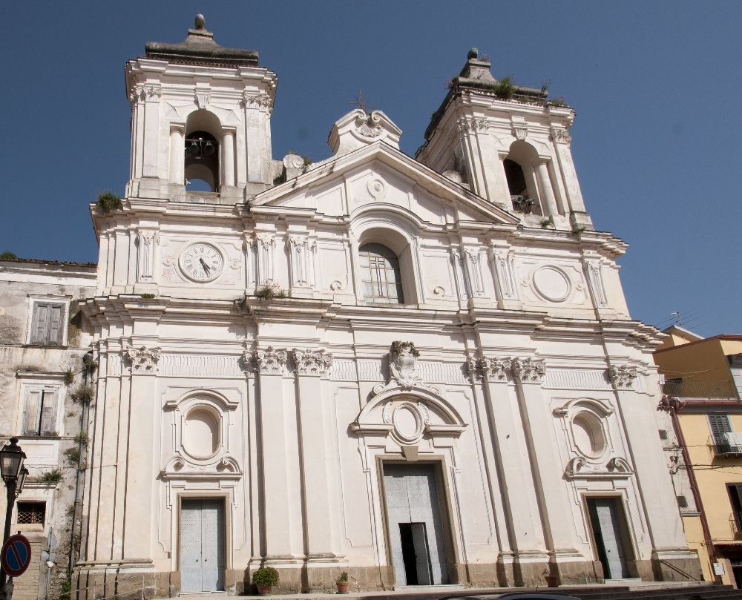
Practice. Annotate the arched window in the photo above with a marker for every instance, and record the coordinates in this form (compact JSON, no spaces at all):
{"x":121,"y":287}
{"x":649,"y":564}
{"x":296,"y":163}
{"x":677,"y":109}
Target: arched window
{"x":380,"y":275}
{"x":516,"y":179}
{"x":203,"y":154}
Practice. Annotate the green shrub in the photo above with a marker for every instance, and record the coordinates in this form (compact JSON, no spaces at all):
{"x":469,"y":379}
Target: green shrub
{"x":505,"y":88}
{"x":265,"y":576}
{"x":72,"y":456}
{"x":148,"y":296}
{"x":83,"y":394}
{"x":268,"y":292}
{"x":51,"y":477}
{"x":7,"y":255}
{"x":342,"y":577}
{"x":108,"y":201}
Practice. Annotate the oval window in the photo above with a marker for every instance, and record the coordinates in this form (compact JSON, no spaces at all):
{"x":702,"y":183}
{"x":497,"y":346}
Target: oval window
{"x":588,"y":434}
{"x":201,"y":435}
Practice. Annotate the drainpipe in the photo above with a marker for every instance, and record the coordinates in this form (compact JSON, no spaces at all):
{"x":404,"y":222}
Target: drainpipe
{"x":673,"y":405}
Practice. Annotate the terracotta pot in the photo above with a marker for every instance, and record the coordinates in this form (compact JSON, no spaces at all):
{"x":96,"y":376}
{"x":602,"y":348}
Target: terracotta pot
{"x":342,"y":586}
{"x":264,"y":590}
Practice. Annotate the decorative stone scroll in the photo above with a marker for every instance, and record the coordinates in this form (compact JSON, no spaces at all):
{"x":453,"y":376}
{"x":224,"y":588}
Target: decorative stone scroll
{"x":270,"y":361}
{"x":615,"y":468}
{"x":265,"y":243}
{"x":261,"y":102}
{"x":503,"y":262}
{"x":312,"y":362}
{"x":622,"y":376}
{"x":143,"y":360}
{"x":301,"y":253}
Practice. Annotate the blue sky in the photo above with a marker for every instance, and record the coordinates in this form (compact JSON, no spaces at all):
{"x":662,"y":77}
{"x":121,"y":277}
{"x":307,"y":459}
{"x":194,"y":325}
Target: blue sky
{"x":656,"y":86}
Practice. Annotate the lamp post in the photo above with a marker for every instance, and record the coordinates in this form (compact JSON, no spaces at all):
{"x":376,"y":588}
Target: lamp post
{"x":14,"y":475}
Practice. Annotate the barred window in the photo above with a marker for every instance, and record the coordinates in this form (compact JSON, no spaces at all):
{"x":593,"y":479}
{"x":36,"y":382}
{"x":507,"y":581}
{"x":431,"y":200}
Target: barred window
{"x":31,"y":513}
{"x":382,"y":282}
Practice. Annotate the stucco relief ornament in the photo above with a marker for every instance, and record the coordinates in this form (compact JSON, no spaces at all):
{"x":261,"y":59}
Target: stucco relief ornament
{"x":312,"y":362}
{"x":403,"y":368}
{"x":270,"y":361}
{"x":143,"y":360}
{"x":528,"y":370}
{"x":495,"y":369}
{"x":368,"y":126}
{"x":622,"y":376}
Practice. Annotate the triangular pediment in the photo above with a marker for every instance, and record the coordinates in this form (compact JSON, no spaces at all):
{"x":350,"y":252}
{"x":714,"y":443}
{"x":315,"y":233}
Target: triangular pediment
{"x":378,"y":174}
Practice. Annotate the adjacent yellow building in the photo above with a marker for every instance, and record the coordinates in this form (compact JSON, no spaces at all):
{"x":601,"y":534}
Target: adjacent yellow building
{"x":702,"y":398}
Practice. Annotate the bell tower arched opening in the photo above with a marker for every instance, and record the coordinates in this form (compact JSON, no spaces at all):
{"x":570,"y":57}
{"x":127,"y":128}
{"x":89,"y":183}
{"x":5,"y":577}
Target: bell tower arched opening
{"x":203,"y":155}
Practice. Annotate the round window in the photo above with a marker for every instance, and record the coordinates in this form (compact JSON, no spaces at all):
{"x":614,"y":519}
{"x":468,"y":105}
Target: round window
{"x":588,"y":434}
{"x":201,"y":433}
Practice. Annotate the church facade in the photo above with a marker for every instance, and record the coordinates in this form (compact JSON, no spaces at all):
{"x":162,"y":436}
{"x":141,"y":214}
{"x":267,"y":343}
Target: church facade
{"x":416,"y":371}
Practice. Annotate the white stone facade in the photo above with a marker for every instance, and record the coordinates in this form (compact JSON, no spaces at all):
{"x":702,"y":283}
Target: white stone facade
{"x":246,"y":360}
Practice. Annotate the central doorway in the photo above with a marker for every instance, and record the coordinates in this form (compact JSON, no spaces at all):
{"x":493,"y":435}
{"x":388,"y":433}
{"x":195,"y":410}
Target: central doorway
{"x":415,"y":527}
{"x":202,"y":545}
{"x":610,"y":534}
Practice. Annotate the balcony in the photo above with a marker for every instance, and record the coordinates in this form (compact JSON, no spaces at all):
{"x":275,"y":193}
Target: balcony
{"x":700,"y":389}
{"x":735,"y":523}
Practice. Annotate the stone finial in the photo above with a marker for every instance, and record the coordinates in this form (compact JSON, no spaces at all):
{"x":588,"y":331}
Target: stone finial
{"x":473,"y":53}
{"x":199,"y":22}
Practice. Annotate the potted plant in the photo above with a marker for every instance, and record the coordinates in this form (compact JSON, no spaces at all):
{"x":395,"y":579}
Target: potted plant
{"x":265,"y":578}
{"x":342,"y":583}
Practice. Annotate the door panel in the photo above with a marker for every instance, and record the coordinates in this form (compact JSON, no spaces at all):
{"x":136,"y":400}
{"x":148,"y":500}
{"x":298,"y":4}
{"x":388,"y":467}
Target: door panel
{"x":412,"y":499}
{"x":607,"y":527}
{"x":202,"y":552}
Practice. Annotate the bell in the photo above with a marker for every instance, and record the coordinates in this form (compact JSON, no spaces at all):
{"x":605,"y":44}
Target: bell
{"x":194,"y":150}
{"x":209,"y":148}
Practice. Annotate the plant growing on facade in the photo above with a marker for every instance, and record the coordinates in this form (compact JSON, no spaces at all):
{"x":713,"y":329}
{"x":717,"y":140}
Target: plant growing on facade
{"x":72,"y":456}
{"x":83,"y":394}
{"x":268,"y":292}
{"x":265,"y":576}
{"x":148,"y":296}
{"x":51,"y":477}
{"x":69,"y":377}
{"x":505,"y":88}
{"x":82,"y":438}
{"x":108,"y":201}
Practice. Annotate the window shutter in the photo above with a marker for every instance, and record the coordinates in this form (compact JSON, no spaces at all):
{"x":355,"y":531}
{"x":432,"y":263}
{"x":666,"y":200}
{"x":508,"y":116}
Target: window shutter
{"x":40,"y":324}
{"x":719,"y":426}
{"x":31,"y":417}
{"x":55,"y":324}
{"x":48,"y":412}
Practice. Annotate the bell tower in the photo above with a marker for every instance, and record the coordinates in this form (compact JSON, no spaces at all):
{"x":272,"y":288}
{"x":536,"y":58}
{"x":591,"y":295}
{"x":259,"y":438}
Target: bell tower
{"x":200,"y":121}
{"x":510,"y":145}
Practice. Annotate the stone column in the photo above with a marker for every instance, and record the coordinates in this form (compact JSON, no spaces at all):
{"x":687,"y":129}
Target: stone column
{"x":177,"y":156}
{"x":546,"y":189}
{"x":316,"y":455}
{"x":517,"y":486}
{"x":270,"y":365}
{"x":228,"y":166}
{"x":548,"y":470}
{"x":141,"y":475}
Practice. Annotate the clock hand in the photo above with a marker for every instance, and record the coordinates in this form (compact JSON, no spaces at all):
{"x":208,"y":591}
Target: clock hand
{"x":204,"y":265}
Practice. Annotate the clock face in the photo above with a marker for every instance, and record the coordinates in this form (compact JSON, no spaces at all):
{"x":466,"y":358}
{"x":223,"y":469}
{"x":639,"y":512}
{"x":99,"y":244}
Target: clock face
{"x":201,"y":262}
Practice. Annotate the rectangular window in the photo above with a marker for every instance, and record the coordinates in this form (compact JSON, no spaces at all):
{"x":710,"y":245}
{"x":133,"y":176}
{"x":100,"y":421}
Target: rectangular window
{"x":735,"y":499}
{"x":40,"y":416}
{"x":31,"y":513}
{"x":47,"y":323}
{"x":720,"y":426}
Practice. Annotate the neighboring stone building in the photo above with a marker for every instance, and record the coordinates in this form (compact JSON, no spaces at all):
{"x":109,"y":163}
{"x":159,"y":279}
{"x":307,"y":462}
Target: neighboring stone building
{"x":41,"y":368}
{"x":702,"y":407}
{"x":344,"y":365}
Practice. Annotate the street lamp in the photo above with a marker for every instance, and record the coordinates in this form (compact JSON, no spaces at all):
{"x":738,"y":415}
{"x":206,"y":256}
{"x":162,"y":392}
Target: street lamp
{"x":14,"y":475}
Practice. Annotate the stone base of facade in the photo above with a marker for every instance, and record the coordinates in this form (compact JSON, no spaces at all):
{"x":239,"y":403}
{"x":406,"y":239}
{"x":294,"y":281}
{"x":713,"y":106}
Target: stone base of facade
{"x":676,"y":566}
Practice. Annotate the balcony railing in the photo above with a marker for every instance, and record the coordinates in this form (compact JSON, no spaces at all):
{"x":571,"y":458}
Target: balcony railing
{"x":700,"y":389}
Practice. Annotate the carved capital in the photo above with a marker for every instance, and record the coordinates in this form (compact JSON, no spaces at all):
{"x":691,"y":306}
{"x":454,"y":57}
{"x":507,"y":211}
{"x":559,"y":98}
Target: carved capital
{"x":312,"y":362}
{"x":528,"y":370}
{"x":495,"y":369}
{"x":265,"y":239}
{"x":622,"y":376}
{"x":560,"y":136}
{"x":270,"y":361}
{"x":143,"y":360}
{"x":261,"y":102}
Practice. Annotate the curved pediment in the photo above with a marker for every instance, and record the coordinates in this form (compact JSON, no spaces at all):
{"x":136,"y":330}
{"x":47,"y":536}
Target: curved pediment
{"x":409,"y":414}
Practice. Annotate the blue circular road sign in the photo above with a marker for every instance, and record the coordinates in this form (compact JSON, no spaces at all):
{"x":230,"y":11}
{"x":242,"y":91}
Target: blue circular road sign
{"x":16,"y":555}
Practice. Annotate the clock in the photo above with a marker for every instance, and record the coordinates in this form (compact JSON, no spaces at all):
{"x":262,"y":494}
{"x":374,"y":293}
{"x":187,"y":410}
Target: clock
{"x":201,"y":262}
